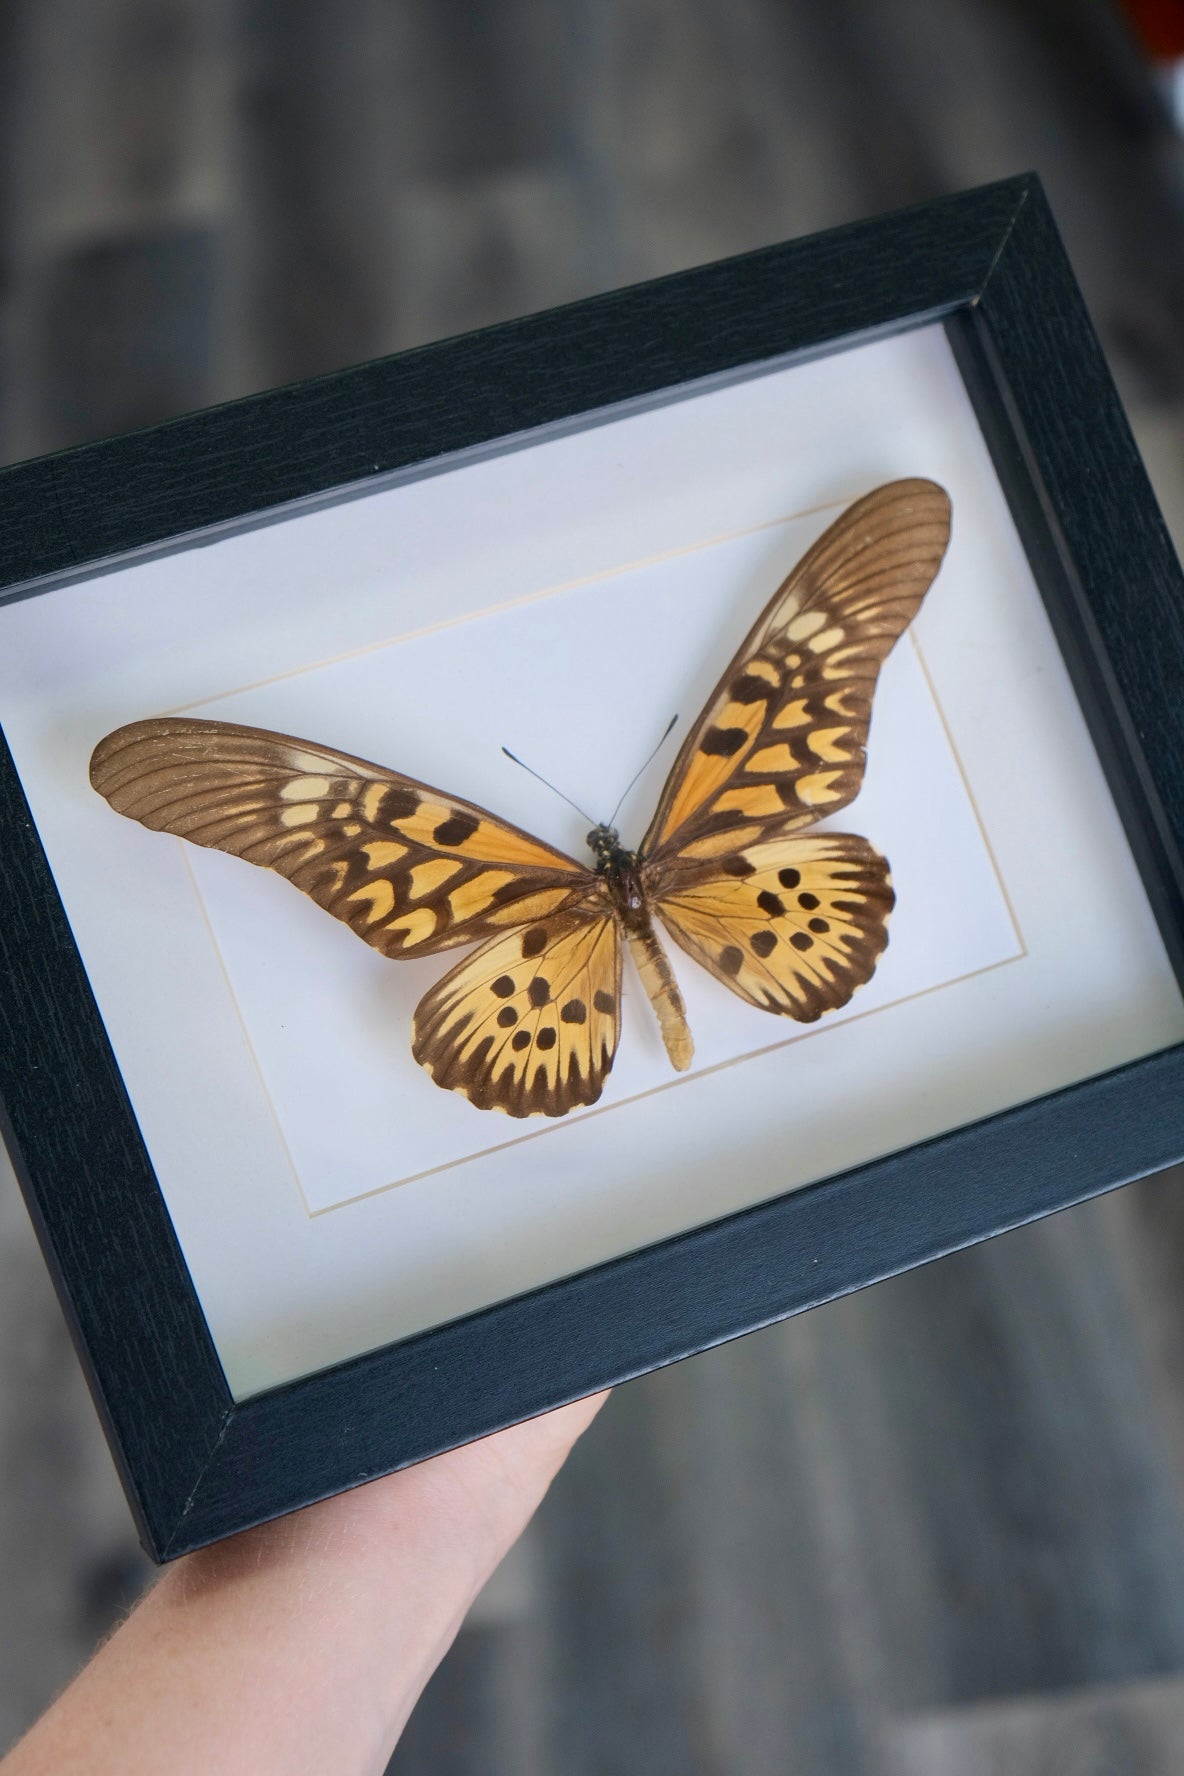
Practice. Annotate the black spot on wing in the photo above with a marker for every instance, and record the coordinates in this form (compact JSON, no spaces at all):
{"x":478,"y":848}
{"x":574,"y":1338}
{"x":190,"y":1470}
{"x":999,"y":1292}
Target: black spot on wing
{"x":574,"y":1012}
{"x":723,"y":742}
{"x":539,"y":991}
{"x":546,"y":1038}
{"x":396,"y":805}
{"x":801,"y":940}
{"x":503,"y":986}
{"x":771,"y":903}
{"x":456,"y":829}
{"x":763,"y":942}
{"x":737,"y":866}
{"x":750,"y":688}
{"x":789,"y":878}
{"x":521,"y":1040}
{"x":731,"y":959}
{"x":534,"y":941}
{"x":605,"y":1003}
{"x":507,"y":1017}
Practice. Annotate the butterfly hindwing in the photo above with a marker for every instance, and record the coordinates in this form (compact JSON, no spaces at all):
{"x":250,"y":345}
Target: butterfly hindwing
{"x":529,"y":1022}
{"x":782,"y":740}
{"x":408,"y":868}
{"x":793,"y":925}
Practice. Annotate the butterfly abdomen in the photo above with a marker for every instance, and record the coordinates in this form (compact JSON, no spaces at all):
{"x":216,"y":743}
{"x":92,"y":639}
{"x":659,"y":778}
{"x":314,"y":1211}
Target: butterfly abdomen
{"x":622,"y":876}
{"x":657,"y":977}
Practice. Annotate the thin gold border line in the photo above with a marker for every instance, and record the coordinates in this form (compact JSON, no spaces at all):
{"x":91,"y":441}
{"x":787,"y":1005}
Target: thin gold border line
{"x":735,"y":1060}
{"x":652,"y":1091}
{"x":970,"y":796}
{"x":509,"y":604}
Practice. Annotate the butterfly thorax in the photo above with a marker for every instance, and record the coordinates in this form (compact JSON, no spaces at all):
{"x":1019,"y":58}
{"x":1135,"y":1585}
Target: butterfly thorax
{"x":621,"y":873}
{"x":604,"y":842}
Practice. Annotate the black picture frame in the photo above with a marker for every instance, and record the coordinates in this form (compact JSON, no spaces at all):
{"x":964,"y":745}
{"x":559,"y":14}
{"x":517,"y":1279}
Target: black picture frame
{"x":990,"y":266}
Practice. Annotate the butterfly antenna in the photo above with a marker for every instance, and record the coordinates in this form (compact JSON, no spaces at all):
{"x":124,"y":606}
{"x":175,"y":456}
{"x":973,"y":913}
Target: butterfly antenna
{"x":550,"y":786}
{"x":649,"y":761}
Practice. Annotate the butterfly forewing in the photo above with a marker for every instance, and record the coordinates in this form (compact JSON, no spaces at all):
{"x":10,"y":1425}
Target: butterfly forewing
{"x":782,"y":740}
{"x":408,"y":868}
{"x":794,"y":925}
{"x":529,"y":1023}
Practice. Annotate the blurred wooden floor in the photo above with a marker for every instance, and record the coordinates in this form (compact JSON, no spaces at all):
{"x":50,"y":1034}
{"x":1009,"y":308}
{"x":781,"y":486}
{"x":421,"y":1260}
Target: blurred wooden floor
{"x":935,"y":1528}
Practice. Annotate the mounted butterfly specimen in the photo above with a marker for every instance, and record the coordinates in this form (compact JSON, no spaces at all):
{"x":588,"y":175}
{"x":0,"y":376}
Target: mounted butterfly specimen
{"x":528,"y":1022}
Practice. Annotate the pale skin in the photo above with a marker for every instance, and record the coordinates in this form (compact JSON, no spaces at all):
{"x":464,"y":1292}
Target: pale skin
{"x":303,"y":1645}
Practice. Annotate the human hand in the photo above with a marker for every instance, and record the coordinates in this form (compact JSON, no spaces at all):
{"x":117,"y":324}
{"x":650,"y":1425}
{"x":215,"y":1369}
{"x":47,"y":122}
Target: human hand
{"x":303,"y":1645}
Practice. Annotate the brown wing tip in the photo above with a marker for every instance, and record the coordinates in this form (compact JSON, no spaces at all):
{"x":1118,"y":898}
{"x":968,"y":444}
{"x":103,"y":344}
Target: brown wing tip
{"x":109,"y":746}
{"x":113,"y":755}
{"x":928,"y":500}
{"x":912,"y":487}
{"x":915,"y":494}
{"x":112,"y":750}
